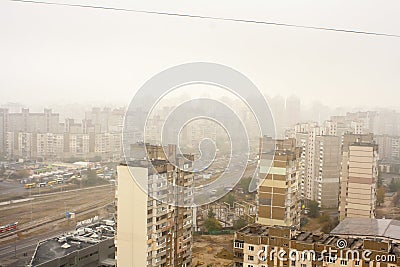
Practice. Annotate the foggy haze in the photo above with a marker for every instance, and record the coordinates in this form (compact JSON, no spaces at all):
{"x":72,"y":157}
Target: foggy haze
{"x":67,"y":55}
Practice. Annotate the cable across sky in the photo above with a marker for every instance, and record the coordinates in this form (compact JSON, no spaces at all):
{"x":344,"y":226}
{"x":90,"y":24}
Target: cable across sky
{"x":262,"y":22}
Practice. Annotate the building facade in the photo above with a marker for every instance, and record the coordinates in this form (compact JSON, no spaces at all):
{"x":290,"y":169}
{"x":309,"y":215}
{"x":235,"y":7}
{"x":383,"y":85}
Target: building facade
{"x":152,"y":231}
{"x":327,"y":171}
{"x":26,"y":135}
{"x":359,"y":176}
{"x":264,"y":246}
{"x":278,"y":193}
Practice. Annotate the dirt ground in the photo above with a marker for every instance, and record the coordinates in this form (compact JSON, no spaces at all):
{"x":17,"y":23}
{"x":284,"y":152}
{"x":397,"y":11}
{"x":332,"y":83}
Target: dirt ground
{"x":215,"y":251}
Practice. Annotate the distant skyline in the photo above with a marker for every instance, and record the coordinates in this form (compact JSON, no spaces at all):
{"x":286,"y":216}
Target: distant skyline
{"x":77,"y":110}
{"x":55,"y":55}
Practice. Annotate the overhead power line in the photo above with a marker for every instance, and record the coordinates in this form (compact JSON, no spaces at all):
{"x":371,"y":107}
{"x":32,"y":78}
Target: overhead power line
{"x":210,"y":18}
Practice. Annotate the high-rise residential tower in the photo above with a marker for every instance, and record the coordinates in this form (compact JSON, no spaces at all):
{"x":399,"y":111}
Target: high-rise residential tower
{"x":278,"y":193}
{"x":358,"y":177}
{"x":327,"y":171}
{"x":152,"y":229}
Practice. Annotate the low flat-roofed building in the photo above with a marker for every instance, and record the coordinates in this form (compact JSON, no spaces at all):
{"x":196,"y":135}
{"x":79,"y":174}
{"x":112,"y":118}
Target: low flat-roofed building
{"x":384,"y":228}
{"x":88,"y":246}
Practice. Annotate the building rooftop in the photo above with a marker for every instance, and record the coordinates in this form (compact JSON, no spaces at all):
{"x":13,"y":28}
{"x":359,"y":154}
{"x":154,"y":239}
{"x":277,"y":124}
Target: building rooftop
{"x":355,"y":231}
{"x":385,"y":228}
{"x":255,"y":229}
{"x":69,"y":242}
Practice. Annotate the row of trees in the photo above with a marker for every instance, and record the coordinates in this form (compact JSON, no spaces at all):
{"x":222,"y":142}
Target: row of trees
{"x":2,"y":170}
{"x":211,"y":223}
{"x":314,"y":211}
{"x":394,"y":185}
{"x":19,"y":174}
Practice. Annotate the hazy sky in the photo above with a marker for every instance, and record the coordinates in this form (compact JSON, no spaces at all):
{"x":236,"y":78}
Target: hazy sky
{"x":63,"y":54}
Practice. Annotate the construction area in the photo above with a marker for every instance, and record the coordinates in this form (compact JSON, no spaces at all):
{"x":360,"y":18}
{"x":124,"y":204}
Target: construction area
{"x":213,"y":250}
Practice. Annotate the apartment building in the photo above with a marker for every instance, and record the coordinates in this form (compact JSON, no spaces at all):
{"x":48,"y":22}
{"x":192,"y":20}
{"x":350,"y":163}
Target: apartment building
{"x":305,"y":141}
{"x":357,"y":122}
{"x":106,"y":119}
{"x":358,"y":177}
{"x":388,"y":146}
{"x":278,"y":193}
{"x":26,"y":122}
{"x":301,"y":140}
{"x":395,"y":153}
{"x":102,"y":144}
{"x":9,"y":145}
{"x":155,"y":231}
{"x":19,"y":145}
{"x":305,"y":135}
{"x":48,"y":145}
{"x":63,"y":145}
{"x":3,"y":130}
{"x":384,"y":143}
{"x":387,"y":122}
{"x":76,"y":145}
{"x":327,"y":171}
{"x":261,"y":246}
{"x":99,"y":134}
{"x":331,"y":128}
{"x":321,"y":156}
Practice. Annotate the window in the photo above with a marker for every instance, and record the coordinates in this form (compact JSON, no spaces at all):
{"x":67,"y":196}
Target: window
{"x":238,"y":254}
{"x":251,"y":248}
{"x":357,"y":262}
{"x":293,"y":263}
{"x":343,"y":262}
{"x":250,"y":258}
{"x":238,"y":244}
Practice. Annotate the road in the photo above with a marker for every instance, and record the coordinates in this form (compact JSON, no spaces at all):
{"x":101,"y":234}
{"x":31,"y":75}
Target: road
{"x":217,"y":188}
